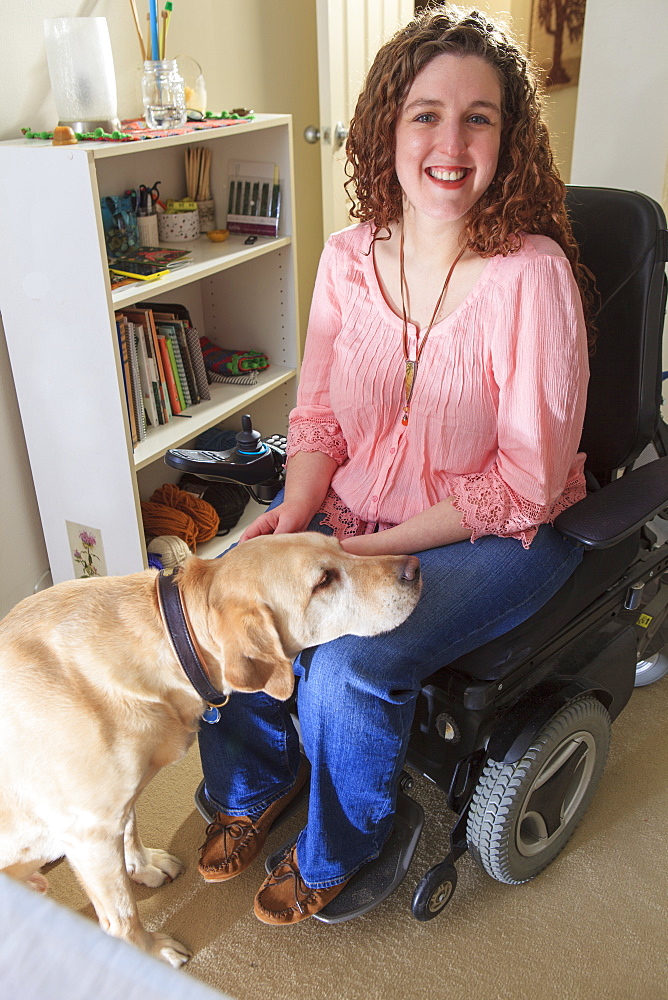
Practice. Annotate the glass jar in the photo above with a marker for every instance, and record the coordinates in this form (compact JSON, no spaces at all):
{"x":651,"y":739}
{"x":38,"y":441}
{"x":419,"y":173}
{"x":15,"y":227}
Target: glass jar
{"x":163,"y":94}
{"x":193,"y":80}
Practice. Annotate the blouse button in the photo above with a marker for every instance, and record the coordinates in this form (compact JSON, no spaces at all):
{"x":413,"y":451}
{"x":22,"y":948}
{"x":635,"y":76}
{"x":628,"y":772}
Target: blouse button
{"x":374,"y":499}
{"x":392,"y":451}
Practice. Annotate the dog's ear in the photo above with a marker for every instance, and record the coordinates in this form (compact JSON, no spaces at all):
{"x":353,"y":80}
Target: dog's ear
{"x":254,"y":656}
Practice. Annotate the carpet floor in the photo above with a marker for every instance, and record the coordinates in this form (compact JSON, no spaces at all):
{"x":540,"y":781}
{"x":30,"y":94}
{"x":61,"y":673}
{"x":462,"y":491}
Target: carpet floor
{"x":592,"y":926}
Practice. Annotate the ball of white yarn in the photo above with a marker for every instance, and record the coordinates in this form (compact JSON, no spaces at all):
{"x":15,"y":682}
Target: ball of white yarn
{"x":170,"y":550}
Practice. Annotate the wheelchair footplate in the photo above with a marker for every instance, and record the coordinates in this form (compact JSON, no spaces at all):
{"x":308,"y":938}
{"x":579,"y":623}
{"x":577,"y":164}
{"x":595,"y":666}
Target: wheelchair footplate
{"x":377,"y":880}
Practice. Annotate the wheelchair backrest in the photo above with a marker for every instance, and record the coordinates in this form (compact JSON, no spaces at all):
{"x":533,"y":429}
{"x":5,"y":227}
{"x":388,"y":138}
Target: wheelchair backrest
{"x":623,"y":241}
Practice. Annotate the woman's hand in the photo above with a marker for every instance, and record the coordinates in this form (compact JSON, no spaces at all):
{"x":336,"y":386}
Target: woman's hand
{"x":279,"y":521}
{"x":307,"y":481}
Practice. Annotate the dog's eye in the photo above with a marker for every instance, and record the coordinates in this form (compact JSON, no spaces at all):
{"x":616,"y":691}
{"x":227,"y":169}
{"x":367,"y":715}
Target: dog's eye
{"x":329,"y":576}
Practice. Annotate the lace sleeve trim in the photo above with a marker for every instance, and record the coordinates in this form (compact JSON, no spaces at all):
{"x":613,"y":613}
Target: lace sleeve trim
{"x":490,"y":507}
{"x":317,"y":435}
{"x":342,"y":521}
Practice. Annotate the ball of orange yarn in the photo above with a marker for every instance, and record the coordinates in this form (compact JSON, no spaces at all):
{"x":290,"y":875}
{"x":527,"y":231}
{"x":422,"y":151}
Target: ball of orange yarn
{"x":161,"y":520}
{"x":203,"y":515}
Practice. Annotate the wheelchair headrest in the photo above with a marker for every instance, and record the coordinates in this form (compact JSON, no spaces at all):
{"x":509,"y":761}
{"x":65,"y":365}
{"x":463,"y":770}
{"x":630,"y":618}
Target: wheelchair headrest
{"x":623,"y":241}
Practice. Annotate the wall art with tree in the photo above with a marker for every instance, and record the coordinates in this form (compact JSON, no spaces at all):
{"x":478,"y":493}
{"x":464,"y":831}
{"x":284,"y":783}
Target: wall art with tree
{"x":556,"y":39}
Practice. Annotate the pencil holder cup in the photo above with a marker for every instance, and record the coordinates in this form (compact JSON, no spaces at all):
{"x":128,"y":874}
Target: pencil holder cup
{"x":177,"y":227}
{"x":148,"y":229}
{"x":163,"y":94}
{"x":206,"y":212}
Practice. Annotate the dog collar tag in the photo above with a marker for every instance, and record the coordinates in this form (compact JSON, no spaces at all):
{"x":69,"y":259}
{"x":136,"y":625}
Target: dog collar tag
{"x":211,"y":715}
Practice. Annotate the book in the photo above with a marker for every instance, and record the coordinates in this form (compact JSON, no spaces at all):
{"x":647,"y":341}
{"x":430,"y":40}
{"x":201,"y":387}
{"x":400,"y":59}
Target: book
{"x":117,"y":281}
{"x":147,"y":377}
{"x":122,"y":331}
{"x":188,"y":364}
{"x":169,"y":376}
{"x":144,"y":316}
{"x":174,"y":329}
{"x":184,"y":363}
{"x":137,"y":398}
{"x":175,"y":311}
{"x":163,"y":256}
{"x":176,"y":368}
{"x":197,"y":358}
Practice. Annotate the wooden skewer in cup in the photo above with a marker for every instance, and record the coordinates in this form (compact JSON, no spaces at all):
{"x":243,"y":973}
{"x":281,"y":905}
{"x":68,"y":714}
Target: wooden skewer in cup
{"x":135,"y":17}
{"x":198,"y":184}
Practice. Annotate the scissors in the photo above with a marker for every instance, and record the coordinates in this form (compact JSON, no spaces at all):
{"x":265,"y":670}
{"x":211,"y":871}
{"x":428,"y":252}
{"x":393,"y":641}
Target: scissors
{"x":153,"y":193}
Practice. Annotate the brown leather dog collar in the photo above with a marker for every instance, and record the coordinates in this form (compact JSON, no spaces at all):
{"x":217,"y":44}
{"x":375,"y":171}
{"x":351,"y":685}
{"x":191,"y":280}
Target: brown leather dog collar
{"x":184,"y":643}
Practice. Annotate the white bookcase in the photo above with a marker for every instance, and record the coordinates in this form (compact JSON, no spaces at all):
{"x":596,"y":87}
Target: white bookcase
{"x":58,"y":314}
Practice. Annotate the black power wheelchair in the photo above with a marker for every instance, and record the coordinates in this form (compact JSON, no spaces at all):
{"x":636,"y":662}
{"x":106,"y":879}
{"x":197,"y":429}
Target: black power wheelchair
{"x":516,"y":733}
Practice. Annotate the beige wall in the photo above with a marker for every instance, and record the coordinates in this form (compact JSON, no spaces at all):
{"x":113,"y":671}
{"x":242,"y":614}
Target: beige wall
{"x":621,"y":138}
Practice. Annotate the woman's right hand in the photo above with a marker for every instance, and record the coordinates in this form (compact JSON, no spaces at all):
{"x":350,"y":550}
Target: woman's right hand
{"x":307,"y":481}
{"x":279,"y":521}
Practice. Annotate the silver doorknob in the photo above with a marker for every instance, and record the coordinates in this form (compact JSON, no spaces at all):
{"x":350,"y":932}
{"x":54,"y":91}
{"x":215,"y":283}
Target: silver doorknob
{"x":340,"y":134}
{"x":313,"y":134}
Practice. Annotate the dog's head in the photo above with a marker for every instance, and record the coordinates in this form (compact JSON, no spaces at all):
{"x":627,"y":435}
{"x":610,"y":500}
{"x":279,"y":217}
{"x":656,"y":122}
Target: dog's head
{"x":273,"y":596}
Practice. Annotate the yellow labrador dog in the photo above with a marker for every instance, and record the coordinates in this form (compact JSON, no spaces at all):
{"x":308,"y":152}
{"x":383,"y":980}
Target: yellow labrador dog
{"x":94,"y":700}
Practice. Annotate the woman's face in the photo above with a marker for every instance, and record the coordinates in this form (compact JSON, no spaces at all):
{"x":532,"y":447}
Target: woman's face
{"x":448,"y":136}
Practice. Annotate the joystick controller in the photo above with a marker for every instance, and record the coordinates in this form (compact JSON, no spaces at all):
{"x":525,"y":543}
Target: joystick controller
{"x":254,"y":462}
{"x":249,"y":442}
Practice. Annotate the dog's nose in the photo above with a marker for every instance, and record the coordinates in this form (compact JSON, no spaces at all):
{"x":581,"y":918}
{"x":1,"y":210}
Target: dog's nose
{"x":410,"y":569}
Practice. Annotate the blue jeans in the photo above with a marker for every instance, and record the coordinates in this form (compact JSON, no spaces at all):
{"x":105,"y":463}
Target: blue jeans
{"x":357,"y":699}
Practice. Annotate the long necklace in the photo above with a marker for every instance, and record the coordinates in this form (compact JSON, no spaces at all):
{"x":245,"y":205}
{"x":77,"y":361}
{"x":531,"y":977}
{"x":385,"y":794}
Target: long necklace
{"x":412,"y":366}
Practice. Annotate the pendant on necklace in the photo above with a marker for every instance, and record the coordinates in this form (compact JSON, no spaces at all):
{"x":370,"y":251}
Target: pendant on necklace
{"x":410,"y":376}
{"x":411,"y":367}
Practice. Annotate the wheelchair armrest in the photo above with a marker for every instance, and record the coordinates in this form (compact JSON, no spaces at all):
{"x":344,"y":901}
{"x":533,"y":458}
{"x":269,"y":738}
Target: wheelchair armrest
{"x":609,"y":515}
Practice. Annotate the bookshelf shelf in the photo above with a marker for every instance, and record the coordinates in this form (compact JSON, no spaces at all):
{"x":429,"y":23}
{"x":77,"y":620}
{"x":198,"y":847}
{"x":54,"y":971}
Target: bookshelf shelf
{"x":208,"y":258}
{"x":225,"y":401}
{"x":59,"y":317}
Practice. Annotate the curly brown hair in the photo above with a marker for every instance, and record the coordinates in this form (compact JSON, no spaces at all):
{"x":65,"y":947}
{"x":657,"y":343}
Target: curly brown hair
{"x":526,"y":196}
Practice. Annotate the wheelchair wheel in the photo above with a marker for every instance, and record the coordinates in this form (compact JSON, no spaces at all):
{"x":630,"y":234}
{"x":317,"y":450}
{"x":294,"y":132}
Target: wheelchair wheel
{"x":434,"y":891}
{"x":523,"y":814}
{"x":654,"y":663}
{"x":651,"y":668}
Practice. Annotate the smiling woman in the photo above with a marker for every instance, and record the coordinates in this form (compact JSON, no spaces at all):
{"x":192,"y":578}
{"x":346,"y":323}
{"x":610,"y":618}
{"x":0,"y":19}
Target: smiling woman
{"x":441,"y":402}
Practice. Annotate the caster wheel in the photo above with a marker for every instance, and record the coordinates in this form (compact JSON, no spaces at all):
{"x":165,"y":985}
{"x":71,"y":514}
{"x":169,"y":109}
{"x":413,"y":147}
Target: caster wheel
{"x":523,"y":814}
{"x":434,"y":891}
{"x":651,"y":669}
{"x":654,"y":663}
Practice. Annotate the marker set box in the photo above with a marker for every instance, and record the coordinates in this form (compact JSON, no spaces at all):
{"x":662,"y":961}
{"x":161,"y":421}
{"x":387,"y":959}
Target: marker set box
{"x":254,"y":199}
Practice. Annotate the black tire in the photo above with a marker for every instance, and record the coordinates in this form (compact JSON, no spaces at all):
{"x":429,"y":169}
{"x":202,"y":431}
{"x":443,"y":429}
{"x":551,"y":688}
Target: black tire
{"x":434,"y":891}
{"x":523,"y":814}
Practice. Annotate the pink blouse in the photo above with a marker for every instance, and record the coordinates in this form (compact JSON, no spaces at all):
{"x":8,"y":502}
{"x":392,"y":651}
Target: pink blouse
{"x":497,"y":408}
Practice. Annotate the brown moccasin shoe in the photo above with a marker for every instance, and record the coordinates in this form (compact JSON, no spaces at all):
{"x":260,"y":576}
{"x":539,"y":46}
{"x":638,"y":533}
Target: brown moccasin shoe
{"x":284,"y":897}
{"x":233,"y":842}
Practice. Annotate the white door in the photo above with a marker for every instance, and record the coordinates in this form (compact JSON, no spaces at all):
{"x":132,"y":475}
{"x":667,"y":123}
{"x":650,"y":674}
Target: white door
{"x":350,"y":32}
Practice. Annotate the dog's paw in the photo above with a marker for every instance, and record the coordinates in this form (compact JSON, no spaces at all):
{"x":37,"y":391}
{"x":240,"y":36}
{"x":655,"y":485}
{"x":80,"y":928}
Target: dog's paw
{"x":169,"y":950}
{"x":157,"y":868}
